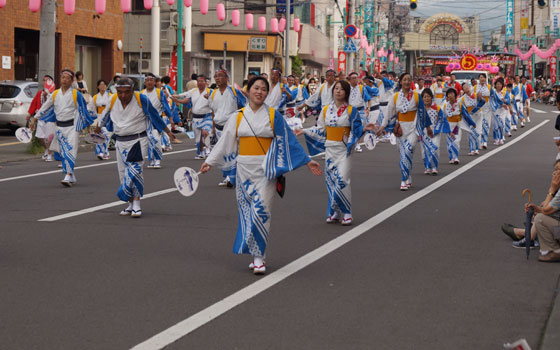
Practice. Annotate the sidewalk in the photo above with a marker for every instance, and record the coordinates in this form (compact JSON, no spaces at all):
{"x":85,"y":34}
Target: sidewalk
{"x":551,"y":336}
{"x":13,"y":151}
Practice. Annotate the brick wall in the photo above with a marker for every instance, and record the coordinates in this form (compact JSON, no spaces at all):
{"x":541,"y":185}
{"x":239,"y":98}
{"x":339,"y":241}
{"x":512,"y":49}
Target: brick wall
{"x":108,"y":26}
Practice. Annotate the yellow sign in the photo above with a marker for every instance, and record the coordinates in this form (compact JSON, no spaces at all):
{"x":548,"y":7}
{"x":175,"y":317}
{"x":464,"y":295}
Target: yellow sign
{"x":468,"y":62}
{"x":524,"y":23}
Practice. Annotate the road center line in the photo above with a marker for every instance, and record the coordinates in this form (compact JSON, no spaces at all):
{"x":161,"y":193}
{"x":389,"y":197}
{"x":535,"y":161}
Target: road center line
{"x":188,"y":325}
{"x":538,"y":110}
{"x":82,"y":167}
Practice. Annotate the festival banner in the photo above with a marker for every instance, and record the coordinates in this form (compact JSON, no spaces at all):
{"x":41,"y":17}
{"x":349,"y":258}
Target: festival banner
{"x":172,"y":71}
{"x":524,"y":18}
{"x":552,"y":65}
{"x":509,"y":19}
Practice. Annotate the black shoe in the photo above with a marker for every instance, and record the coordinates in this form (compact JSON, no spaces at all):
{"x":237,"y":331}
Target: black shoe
{"x":521,"y":244}
{"x":508,"y":230}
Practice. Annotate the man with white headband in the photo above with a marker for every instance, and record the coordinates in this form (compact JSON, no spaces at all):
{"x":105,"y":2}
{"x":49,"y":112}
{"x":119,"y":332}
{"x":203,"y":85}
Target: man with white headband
{"x":224,"y":101}
{"x":67,"y":107}
{"x":158,"y":98}
{"x":279,"y":93}
{"x":323,"y":95}
{"x":130,"y":115}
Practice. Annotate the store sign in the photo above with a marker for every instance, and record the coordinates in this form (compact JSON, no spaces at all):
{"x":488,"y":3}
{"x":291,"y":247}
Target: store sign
{"x":444,"y":47}
{"x":524,"y":18}
{"x":509,"y":19}
{"x":341,"y":61}
{"x":555,"y":14}
{"x":258,"y":44}
{"x":425,"y":62}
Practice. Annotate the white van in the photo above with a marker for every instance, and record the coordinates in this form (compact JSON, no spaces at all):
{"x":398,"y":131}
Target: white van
{"x":465,"y":76}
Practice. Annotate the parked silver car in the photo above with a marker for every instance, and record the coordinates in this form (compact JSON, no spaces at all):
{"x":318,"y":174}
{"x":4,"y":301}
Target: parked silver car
{"x":15,"y":98}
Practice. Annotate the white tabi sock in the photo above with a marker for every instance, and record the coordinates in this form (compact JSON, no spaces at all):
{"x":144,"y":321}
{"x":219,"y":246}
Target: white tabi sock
{"x":136,"y":205}
{"x":129,"y":208}
{"x":258,"y":260}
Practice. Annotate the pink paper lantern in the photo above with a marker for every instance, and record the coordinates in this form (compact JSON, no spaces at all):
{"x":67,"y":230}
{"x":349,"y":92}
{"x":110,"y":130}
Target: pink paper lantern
{"x":235,"y":17}
{"x":274,"y":25}
{"x":170,"y":2}
{"x":448,"y":69}
{"x":148,"y":4}
{"x":187,"y":3}
{"x":391,"y":57}
{"x":495,"y":69}
{"x":126,"y":6}
{"x":282,"y":24}
{"x":396,"y":60}
{"x":369,"y":49}
{"x":487,"y":66}
{"x":297,"y":25}
{"x":203,"y":7}
{"x":479,"y":66}
{"x":249,"y":21}
{"x":100,"y":6}
{"x":262,"y":24}
{"x":34,"y":5}
{"x":221,"y":11}
{"x":379,"y":53}
{"x":69,"y":6}
{"x":2,"y":3}
{"x":457,"y":66}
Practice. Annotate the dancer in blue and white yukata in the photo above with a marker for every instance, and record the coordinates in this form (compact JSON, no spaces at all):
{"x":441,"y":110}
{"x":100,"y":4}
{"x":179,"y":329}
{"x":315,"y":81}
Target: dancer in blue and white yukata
{"x":201,"y":114}
{"x":360,"y":100}
{"x":499,"y":101}
{"x":224,"y":100}
{"x":323,"y":96}
{"x":299,"y":94}
{"x":173,"y":120}
{"x":97,"y":105}
{"x":459,"y":119}
{"x":158,"y":98}
{"x":258,"y":144}
{"x":373,"y":116}
{"x":436,"y":125}
{"x":511,"y":116}
{"x":483,"y":117}
{"x":279,"y":94}
{"x":401,"y":119}
{"x":521,"y":101}
{"x":339,"y":127}
{"x":386,"y":84}
{"x":438,"y":89}
{"x":130,"y":115}
{"x":67,"y":107}
{"x":470,"y":101}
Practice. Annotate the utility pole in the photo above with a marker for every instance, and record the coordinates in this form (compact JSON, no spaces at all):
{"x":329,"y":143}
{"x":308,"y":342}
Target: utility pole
{"x":180,"y":47}
{"x":47,"y":40}
{"x":155,"y":26}
{"x":287,"y":62}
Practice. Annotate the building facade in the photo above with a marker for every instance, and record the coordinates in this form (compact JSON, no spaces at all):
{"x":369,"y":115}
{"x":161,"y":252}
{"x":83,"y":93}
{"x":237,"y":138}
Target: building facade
{"x":438,"y":37}
{"x":85,"y":41}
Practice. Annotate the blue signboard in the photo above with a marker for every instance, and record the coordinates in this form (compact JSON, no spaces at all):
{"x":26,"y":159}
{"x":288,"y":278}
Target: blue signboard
{"x":281,"y":6}
{"x":509,"y":19}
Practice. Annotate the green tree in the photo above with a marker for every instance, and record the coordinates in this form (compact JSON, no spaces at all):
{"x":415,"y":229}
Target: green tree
{"x":297,"y":63}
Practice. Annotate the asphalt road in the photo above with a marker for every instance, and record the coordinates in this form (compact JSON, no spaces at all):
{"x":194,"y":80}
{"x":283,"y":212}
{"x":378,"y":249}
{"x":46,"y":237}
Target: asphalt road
{"x":431,"y":271}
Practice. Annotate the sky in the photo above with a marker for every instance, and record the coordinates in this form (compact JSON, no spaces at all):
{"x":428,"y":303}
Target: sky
{"x":492,"y":13}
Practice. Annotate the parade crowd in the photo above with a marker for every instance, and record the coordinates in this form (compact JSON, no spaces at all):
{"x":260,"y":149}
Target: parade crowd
{"x":250,"y":131}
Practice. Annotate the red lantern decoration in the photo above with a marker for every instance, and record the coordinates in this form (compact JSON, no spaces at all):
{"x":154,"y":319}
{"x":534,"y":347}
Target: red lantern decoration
{"x":249,"y":21}
{"x":100,"y":6}
{"x":221,"y":11}
{"x":203,"y":7}
{"x":126,"y":6}
{"x":235,"y":17}
{"x":34,"y":5}
{"x":148,"y":4}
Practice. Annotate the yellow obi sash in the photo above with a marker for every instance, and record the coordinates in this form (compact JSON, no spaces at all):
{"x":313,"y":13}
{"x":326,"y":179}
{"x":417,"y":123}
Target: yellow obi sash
{"x":100,"y":109}
{"x":439,"y":95}
{"x":486,"y":98}
{"x":454,"y":119}
{"x":470,"y":109}
{"x":254,"y":146}
{"x":337,"y":133}
{"x":407,"y":117}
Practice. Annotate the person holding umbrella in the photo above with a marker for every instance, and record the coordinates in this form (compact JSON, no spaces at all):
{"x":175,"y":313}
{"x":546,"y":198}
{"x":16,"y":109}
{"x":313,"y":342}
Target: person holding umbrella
{"x":547,"y":219}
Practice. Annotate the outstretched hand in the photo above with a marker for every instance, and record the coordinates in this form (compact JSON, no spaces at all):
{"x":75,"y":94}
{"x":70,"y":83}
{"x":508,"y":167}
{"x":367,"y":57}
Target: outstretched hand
{"x":298,"y":132}
{"x":205,"y":167}
{"x":314,"y":167}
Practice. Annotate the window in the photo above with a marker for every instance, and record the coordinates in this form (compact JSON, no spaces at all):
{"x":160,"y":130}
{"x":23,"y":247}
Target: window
{"x":138,"y":8}
{"x":9,"y":91}
{"x":444,"y":34}
{"x":31,"y":90}
{"x":255,"y":7}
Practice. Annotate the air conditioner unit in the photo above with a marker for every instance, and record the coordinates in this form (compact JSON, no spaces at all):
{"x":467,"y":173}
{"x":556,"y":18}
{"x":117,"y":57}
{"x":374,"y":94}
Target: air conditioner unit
{"x":146,"y":66}
{"x":174,"y":19}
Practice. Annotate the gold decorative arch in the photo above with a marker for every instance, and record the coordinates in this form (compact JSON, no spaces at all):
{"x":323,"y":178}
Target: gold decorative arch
{"x":444,"y":18}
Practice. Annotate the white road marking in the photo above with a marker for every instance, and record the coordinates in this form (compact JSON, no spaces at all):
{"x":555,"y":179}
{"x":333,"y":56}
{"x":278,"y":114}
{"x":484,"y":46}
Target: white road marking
{"x":103,"y":206}
{"x":538,"y":111}
{"x":82,"y":167}
{"x":188,"y":325}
